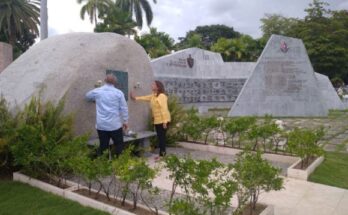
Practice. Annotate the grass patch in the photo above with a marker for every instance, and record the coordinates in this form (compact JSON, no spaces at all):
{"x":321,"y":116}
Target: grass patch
{"x":333,"y":171}
{"x":21,"y":199}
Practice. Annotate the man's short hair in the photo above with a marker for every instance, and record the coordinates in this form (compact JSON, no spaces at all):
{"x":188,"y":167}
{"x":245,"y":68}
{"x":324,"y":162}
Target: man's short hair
{"x":110,"y":79}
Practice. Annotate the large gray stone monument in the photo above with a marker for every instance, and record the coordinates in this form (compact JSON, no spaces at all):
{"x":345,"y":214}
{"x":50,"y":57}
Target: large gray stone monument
{"x":70,"y":65}
{"x":283,"y":83}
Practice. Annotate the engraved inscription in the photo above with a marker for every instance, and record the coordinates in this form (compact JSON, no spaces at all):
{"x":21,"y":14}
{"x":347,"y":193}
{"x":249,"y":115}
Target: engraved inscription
{"x":203,"y":90}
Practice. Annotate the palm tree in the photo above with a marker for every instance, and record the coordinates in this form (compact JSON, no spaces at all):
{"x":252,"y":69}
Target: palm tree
{"x":94,"y":8}
{"x":18,"y":15}
{"x":117,"y":21}
{"x":43,"y":20}
{"x":137,"y":7}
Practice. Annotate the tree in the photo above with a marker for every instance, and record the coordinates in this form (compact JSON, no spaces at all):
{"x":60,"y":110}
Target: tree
{"x":324,"y":34}
{"x":305,"y":144}
{"x":243,"y":48}
{"x":137,"y":7}
{"x":156,"y":44}
{"x":117,"y":21}
{"x":18,"y":15}
{"x":276,"y":24}
{"x":93,"y":8}
{"x":209,"y":34}
{"x":43,"y":20}
{"x":255,"y":175}
{"x":23,"y":41}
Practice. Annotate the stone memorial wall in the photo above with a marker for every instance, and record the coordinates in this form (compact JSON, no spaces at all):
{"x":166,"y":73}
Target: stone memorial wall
{"x":203,"y":90}
{"x":200,"y":76}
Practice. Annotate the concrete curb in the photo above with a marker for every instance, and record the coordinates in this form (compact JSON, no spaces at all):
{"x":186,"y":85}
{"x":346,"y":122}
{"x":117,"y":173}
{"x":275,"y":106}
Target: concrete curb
{"x":232,"y":151}
{"x":303,"y":174}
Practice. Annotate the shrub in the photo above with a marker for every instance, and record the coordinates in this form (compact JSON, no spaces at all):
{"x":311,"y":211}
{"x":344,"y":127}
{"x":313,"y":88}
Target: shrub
{"x":254,"y":175}
{"x":305,"y":143}
{"x":192,"y":126}
{"x":43,"y":141}
{"x":7,"y":130}
{"x":208,"y":185}
{"x":237,"y":126}
{"x":134,"y":173}
{"x":178,"y":115}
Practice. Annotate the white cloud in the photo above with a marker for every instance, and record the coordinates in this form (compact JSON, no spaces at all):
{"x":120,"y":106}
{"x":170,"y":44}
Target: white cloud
{"x":176,"y":17}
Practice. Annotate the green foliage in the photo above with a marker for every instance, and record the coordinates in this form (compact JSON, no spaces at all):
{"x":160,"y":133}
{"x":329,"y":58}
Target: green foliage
{"x":192,"y":126}
{"x":208,"y":185}
{"x":324,"y":33}
{"x":237,"y":126}
{"x":305,"y":143}
{"x":182,"y":207}
{"x":178,"y":116}
{"x":156,"y":44}
{"x":135,"y":173}
{"x":276,"y":24}
{"x":244,"y":48}
{"x":7,"y":130}
{"x":43,"y":142}
{"x":209,"y":34}
{"x":24,"y":40}
{"x":136,"y":9}
{"x":117,"y":21}
{"x":18,"y":16}
{"x":255,"y":175}
{"x":94,"y":8}
{"x":262,"y":133}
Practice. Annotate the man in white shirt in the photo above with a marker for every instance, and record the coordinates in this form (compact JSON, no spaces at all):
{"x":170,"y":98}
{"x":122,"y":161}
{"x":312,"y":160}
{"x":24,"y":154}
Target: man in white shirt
{"x":112,"y":114}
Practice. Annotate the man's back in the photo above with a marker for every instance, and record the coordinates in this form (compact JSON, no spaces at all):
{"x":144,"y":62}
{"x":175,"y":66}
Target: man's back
{"x":111,"y":106}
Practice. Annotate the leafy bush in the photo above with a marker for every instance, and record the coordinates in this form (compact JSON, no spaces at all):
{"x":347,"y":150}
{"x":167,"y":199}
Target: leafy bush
{"x":135,"y":174}
{"x":237,"y":126}
{"x":305,"y":143}
{"x":208,"y":185}
{"x":43,"y":142}
{"x":254,"y":175}
{"x":178,"y":115}
{"x":192,"y":126}
{"x":7,"y":130}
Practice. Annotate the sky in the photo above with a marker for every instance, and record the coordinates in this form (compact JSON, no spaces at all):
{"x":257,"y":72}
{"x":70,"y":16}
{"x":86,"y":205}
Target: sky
{"x":176,"y":17}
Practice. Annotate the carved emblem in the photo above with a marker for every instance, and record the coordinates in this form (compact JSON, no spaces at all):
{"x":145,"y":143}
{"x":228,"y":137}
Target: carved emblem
{"x":190,"y":61}
{"x":284,"y":47}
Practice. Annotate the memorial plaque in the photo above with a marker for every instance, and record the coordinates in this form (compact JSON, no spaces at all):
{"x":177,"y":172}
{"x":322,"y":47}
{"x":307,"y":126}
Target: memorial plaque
{"x":122,"y":81}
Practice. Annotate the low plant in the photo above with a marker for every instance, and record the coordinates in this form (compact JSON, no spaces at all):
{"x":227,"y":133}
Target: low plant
{"x":7,"y":130}
{"x":237,"y":126}
{"x":305,"y":144}
{"x":254,"y":175}
{"x":135,"y":174}
{"x":208,"y":185}
{"x":43,"y":141}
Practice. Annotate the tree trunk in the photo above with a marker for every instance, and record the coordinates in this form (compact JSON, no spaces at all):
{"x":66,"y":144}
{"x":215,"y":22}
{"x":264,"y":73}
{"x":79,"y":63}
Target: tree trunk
{"x":43,"y":20}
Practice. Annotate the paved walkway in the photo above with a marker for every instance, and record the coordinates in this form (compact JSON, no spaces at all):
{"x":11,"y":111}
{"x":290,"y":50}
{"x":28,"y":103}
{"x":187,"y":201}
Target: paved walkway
{"x":297,"y":197}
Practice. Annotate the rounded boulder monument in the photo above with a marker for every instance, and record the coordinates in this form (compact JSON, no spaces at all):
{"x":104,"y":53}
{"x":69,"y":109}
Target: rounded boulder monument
{"x":67,"y":66}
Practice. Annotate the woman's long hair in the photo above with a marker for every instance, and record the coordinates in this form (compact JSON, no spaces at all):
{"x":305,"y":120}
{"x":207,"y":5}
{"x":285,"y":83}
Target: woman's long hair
{"x":160,"y":87}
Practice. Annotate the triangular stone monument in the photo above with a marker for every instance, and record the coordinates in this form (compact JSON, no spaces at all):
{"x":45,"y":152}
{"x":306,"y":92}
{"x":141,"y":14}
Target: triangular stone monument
{"x":283,"y":83}
{"x":330,"y":96}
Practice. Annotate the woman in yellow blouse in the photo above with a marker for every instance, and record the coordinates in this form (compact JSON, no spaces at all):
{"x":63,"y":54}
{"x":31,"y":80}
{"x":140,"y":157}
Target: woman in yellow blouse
{"x":160,"y":113}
